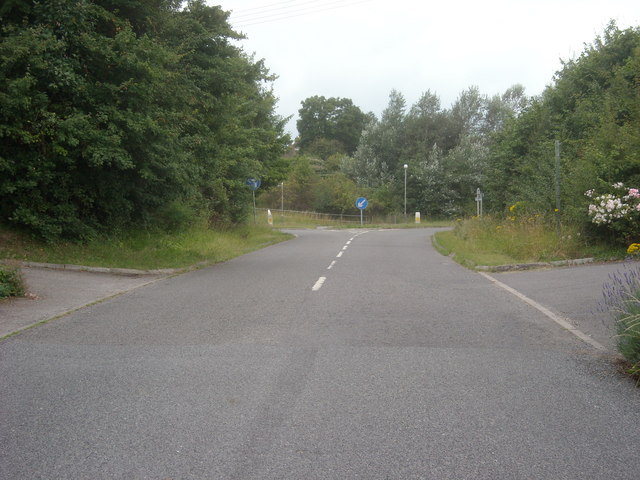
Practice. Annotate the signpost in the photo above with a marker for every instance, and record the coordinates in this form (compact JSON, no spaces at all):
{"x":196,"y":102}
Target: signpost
{"x":479,"y":196}
{"x":361,"y":204}
{"x":253,"y":184}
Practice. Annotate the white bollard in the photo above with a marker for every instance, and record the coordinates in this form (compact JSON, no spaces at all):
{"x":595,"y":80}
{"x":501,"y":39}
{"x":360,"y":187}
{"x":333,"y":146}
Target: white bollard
{"x":269,"y":217}
{"x":417,"y":217}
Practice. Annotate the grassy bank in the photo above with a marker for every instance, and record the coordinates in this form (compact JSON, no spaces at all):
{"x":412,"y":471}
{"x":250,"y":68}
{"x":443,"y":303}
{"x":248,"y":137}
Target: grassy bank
{"x":144,"y":250}
{"x":490,"y":241}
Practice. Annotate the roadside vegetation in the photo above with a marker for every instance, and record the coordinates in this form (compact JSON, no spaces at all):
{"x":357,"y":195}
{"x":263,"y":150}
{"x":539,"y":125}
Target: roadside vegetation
{"x":144,"y":249}
{"x":622,"y":301}
{"x":500,"y":240}
{"x":11,"y":284}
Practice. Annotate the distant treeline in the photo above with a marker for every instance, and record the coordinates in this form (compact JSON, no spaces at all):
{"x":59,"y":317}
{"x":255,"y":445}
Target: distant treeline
{"x":502,"y":144}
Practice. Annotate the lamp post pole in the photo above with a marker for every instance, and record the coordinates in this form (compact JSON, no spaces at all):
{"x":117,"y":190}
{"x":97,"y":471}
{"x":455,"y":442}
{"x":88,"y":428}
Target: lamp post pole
{"x":282,"y":202}
{"x":405,"y":190}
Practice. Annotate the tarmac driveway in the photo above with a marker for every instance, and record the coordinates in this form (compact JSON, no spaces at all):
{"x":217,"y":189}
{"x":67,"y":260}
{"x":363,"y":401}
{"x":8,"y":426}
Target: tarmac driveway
{"x":572,"y":292}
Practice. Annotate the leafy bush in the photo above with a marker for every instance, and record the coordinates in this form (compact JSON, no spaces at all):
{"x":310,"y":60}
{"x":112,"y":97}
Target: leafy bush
{"x":622,"y":299}
{"x":617,"y":212}
{"x":11,"y":284}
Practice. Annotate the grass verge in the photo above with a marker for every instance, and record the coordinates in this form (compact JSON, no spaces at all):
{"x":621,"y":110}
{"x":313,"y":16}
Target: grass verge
{"x":144,"y":250}
{"x":490,"y":241}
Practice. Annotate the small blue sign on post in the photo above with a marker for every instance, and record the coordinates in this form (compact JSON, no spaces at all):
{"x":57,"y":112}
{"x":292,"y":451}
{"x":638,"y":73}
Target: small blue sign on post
{"x":361,"y":204}
{"x":253,"y":183}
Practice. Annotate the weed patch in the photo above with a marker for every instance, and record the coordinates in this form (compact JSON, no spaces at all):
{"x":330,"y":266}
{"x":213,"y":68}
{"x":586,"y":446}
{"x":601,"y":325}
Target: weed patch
{"x":11,"y":284}
{"x":518,"y":239}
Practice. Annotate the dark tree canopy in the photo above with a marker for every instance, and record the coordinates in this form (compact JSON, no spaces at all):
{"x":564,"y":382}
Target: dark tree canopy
{"x":120,"y":113}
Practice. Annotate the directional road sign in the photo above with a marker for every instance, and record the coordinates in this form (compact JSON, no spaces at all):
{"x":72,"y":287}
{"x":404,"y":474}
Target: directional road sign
{"x":254,"y":183}
{"x":362,"y":203}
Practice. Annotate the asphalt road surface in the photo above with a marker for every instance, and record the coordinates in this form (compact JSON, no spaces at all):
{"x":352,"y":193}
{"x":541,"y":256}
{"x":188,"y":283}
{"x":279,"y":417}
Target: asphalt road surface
{"x":337,"y":355}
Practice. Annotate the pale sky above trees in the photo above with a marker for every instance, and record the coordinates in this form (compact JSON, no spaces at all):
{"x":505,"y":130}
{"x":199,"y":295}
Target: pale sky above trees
{"x":362,"y":49}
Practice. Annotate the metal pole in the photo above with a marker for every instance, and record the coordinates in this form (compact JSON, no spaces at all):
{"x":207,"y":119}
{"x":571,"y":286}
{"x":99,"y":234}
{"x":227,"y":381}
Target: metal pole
{"x":254,"y":207}
{"x":405,"y":191}
{"x":282,"y":204}
{"x":558,"y":187}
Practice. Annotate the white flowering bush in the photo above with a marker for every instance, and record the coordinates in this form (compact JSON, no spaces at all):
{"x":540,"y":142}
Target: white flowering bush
{"x":618,"y":211}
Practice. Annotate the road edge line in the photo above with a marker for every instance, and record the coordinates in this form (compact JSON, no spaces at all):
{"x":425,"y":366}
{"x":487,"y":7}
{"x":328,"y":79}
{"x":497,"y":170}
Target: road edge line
{"x":564,"y":323}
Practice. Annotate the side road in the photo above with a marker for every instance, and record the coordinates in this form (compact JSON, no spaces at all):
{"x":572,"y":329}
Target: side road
{"x":574,"y":293}
{"x":55,"y":292}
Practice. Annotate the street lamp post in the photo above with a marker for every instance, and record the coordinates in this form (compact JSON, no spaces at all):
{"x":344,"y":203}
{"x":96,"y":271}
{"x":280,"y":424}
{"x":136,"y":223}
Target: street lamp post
{"x":405,"y":190}
{"x":282,"y":202}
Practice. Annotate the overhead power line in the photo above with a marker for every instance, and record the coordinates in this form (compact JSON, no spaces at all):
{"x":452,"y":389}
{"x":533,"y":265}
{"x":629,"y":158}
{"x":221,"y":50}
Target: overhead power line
{"x":272,"y":7}
{"x":281,"y":11}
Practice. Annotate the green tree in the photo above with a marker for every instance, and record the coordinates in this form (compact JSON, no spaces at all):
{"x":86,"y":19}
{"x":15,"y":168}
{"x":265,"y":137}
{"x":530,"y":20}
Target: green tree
{"x":113,"y":112}
{"x":592,"y":107}
{"x":335,"y":120}
{"x":335,"y":193}
{"x":377,"y":161}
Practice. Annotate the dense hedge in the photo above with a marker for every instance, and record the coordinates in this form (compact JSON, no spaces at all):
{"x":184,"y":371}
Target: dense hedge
{"x":116,"y":113}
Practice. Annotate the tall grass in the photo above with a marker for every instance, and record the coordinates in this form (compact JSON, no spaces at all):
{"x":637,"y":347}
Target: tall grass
{"x":145,"y":249}
{"x":516,"y":239}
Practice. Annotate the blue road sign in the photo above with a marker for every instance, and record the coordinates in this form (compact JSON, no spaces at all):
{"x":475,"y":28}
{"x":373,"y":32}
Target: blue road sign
{"x":254,"y":183}
{"x":362,"y":203}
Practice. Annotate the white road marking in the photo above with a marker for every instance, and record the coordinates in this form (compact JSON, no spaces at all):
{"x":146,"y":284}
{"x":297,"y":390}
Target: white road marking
{"x":321,"y":280}
{"x":318,"y":284}
{"x":556,"y":318}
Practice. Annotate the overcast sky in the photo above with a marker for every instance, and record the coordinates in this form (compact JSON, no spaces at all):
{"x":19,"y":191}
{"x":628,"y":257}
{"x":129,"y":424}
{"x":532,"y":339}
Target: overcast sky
{"x":362,"y":49}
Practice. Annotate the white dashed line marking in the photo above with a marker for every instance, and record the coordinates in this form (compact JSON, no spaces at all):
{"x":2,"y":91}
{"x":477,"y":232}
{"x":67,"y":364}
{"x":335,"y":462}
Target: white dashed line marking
{"x":321,"y":280}
{"x":319,"y":284}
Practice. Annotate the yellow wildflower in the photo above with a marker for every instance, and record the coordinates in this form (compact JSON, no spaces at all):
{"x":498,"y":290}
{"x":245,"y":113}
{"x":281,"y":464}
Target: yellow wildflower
{"x":633,"y":249}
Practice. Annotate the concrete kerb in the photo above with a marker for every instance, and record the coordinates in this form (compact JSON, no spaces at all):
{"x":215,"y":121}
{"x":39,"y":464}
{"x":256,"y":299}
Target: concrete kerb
{"x":130,"y":272}
{"x":531,"y":266}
